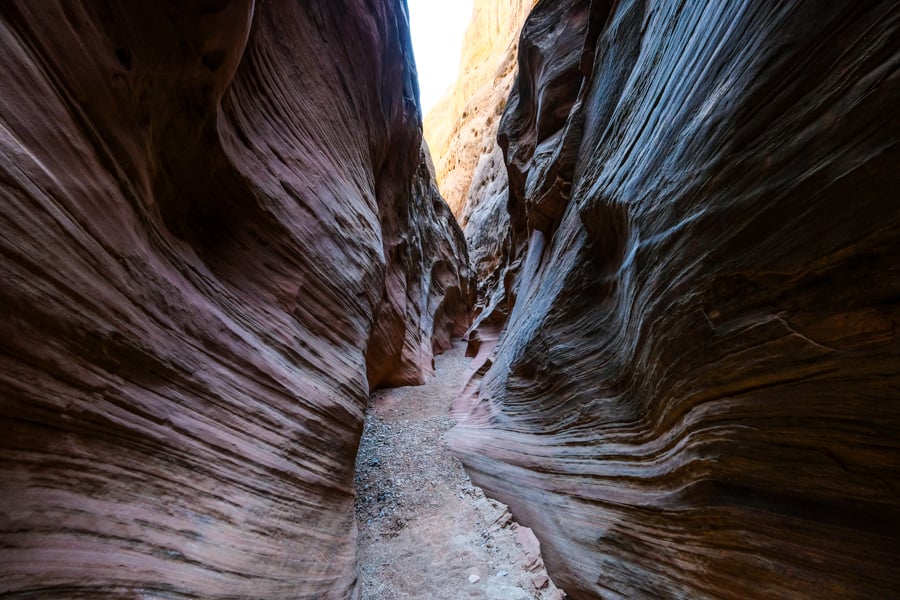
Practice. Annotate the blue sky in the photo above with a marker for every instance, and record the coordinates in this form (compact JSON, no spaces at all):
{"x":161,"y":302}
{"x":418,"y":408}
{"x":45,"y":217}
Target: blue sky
{"x":437,"y":28}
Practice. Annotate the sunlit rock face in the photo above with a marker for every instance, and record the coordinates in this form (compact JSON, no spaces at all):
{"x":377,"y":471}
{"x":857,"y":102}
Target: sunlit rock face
{"x":218,"y":233}
{"x":462,"y":133}
{"x":462,"y":126}
{"x":695,"y":390}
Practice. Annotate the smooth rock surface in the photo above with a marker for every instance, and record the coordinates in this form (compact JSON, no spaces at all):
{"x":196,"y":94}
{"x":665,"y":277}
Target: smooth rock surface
{"x":688,"y":383}
{"x":218,"y":234}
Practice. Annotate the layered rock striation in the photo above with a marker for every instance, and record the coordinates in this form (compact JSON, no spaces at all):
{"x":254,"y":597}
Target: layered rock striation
{"x":695,"y":389}
{"x":218,"y":234}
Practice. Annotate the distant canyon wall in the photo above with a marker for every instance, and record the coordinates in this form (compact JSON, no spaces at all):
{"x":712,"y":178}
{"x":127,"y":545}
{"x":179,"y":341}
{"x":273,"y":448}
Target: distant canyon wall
{"x":463,"y":124}
{"x":219,"y":233}
{"x":462,"y":128}
{"x":696,"y":387}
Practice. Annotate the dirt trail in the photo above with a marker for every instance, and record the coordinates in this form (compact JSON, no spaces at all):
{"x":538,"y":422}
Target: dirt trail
{"x":425,"y":530}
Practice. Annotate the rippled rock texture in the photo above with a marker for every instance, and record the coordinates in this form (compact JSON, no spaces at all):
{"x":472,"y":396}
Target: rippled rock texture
{"x":696,"y":391}
{"x":218,"y":234}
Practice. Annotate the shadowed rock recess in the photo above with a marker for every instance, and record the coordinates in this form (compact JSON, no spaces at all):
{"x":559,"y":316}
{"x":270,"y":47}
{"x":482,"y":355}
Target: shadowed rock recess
{"x":696,"y":392}
{"x":218,"y":234}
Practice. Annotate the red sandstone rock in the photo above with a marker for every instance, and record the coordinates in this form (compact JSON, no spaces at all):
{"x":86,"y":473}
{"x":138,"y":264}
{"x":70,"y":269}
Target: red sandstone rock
{"x":695,"y":389}
{"x":217,"y":235}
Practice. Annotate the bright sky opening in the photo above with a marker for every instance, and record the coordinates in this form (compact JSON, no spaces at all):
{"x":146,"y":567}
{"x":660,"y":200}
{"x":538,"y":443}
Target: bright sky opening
{"x":438,"y":28}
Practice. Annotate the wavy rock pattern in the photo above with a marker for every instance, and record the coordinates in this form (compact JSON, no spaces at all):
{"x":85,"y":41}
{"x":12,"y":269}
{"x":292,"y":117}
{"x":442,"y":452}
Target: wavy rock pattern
{"x":695,"y":392}
{"x":218,"y":234}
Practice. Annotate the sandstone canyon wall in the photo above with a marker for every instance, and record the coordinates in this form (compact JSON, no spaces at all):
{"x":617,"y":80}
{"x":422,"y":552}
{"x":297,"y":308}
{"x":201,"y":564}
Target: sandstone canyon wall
{"x":218,"y":233}
{"x":462,"y":126}
{"x":462,"y":133}
{"x":696,"y":391}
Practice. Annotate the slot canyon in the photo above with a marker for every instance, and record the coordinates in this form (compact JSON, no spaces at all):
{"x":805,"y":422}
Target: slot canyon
{"x":638,"y":270}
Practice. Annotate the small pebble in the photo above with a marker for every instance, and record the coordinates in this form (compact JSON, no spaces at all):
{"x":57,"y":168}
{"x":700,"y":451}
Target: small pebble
{"x":474,"y":578}
{"x":502,"y":573}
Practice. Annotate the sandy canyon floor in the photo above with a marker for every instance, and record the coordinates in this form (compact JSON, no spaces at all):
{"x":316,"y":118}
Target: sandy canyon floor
{"x":425,"y":530}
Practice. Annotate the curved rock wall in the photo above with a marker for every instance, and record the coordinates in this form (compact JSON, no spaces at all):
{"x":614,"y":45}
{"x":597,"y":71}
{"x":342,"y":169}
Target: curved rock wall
{"x":695,"y":392}
{"x":217,"y":236}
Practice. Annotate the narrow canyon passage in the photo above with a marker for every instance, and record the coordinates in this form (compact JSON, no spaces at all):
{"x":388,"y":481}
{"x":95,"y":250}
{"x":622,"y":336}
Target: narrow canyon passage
{"x":425,"y":530}
{"x":669,"y":231}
